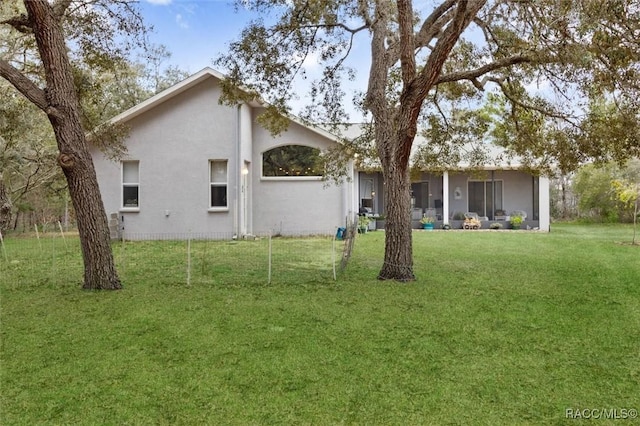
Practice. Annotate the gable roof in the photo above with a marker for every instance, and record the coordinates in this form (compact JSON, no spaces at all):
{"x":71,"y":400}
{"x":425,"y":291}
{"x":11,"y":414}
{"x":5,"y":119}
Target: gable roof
{"x":166,"y":94}
{"x":495,"y":154}
{"x":190,"y":82}
{"x":494,"y":157}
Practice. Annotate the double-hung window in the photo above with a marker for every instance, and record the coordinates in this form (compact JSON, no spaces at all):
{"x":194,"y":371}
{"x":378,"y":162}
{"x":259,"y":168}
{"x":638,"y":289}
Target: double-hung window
{"x":131,"y":184}
{"x":218,"y":184}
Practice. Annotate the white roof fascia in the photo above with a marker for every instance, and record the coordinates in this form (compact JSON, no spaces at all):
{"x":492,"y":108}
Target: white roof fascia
{"x":166,"y":94}
{"x":191,"y":81}
{"x":315,"y":129}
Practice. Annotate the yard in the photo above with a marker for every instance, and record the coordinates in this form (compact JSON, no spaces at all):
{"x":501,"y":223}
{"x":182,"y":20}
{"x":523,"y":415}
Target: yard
{"x":500,"y":328}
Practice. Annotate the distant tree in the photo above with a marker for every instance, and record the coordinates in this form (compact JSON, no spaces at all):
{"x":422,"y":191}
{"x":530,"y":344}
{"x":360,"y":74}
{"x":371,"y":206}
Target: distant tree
{"x":604,"y":190}
{"x":592,"y":186}
{"x":156,"y":75}
{"x":28,"y":168}
{"x":459,"y":48}
{"x":562,"y":199}
{"x":628,"y":193}
{"x":44,"y":28}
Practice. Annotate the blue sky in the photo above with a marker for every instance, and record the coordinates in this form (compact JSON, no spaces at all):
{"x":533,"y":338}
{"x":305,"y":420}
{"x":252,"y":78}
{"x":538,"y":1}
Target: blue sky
{"x":193,"y":31}
{"x":197,"y":31}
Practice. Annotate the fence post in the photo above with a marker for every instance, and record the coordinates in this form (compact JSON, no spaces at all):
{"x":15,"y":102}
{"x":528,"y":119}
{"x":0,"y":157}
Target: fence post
{"x":4,"y":250}
{"x":269,"y":273}
{"x":189,"y":259}
{"x":53,"y":258}
{"x":333,"y":254}
{"x":123,"y":257}
{"x":35,"y":225}
{"x":62,"y":233}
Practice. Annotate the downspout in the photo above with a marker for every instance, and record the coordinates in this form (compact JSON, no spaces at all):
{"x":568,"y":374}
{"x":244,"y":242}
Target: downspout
{"x":237,"y":217}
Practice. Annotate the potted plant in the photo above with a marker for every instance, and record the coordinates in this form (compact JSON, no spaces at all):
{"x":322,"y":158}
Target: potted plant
{"x":516,"y":221}
{"x":427,"y":222}
{"x":363,"y":224}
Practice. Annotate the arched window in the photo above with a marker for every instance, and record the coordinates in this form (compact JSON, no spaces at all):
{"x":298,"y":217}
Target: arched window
{"x":292,"y":161}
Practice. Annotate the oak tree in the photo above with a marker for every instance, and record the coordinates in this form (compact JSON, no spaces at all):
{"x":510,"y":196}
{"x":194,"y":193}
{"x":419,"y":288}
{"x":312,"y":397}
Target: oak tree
{"x":58,"y":33}
{"x":456,"y":46}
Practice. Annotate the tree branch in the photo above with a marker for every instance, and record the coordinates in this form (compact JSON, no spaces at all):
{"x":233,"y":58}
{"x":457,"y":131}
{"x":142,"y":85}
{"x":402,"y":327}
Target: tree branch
{"x":379,"y":62}
{"x":431,"y":28}
{"x":19,"y":23}
{"x":527,"y":106}
{"x":363,"y":9}
{"x":405,"y":24}
{"x":337,"y":25}
{"x":25,"y":86}
{"x":472,"y":75}
{"x":60,"y":7}
{"x":434,"y":23}
{"x":429,"y":76}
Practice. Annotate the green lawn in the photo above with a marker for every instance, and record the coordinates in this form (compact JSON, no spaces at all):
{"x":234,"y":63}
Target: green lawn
{"x":500,"y":328}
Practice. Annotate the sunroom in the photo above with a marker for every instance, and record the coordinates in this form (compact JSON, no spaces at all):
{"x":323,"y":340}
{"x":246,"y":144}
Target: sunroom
{"x":494,"y":195}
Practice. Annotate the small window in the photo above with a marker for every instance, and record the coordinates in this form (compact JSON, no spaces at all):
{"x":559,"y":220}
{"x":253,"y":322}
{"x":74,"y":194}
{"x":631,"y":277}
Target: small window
{"x":218,"y":183}
{"x":130,"y":184}
{"x":292,"y":161}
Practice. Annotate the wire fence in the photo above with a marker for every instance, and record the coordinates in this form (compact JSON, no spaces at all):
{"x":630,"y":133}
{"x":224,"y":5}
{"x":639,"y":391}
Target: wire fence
{"x":55,"y":257}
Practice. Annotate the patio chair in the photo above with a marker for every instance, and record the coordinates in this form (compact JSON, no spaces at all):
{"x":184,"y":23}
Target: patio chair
{"x":520,"y":213}
{"x":471,"y":221}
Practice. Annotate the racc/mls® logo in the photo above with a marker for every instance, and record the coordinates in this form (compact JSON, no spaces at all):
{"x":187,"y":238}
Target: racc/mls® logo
{"x":601,"y":413}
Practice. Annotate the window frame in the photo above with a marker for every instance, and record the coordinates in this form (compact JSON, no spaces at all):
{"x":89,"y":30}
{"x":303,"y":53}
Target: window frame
{"x":485,"y":182}
{"x":213,"y":184}
{"x":416,"y":196}
{"x":123,"y":185}
{"x":292,"y":177}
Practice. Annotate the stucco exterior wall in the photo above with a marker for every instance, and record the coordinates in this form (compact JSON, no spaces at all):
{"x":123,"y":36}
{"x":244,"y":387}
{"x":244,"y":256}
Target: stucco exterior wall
{"x":174,"y":143}
{"x":291,"y":206}
{"x":174,"y":136}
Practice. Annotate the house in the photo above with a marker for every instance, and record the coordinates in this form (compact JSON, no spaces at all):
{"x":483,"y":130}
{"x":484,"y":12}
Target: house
{"x":196,"y":167}
{"x":494,"y":191}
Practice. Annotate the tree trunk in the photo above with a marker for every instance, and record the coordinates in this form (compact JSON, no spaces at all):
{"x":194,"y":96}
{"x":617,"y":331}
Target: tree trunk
{"x":74,"y":158}
{"x":396,"y":122}
{"x":5,"y":208}
{"x":95,"y":240}
{"x":565,"y":210}
{"x":398,"y":253}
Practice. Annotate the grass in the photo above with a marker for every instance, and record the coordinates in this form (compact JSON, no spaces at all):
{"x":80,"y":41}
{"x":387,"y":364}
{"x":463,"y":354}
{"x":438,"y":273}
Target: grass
{"x":500,"y":328}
